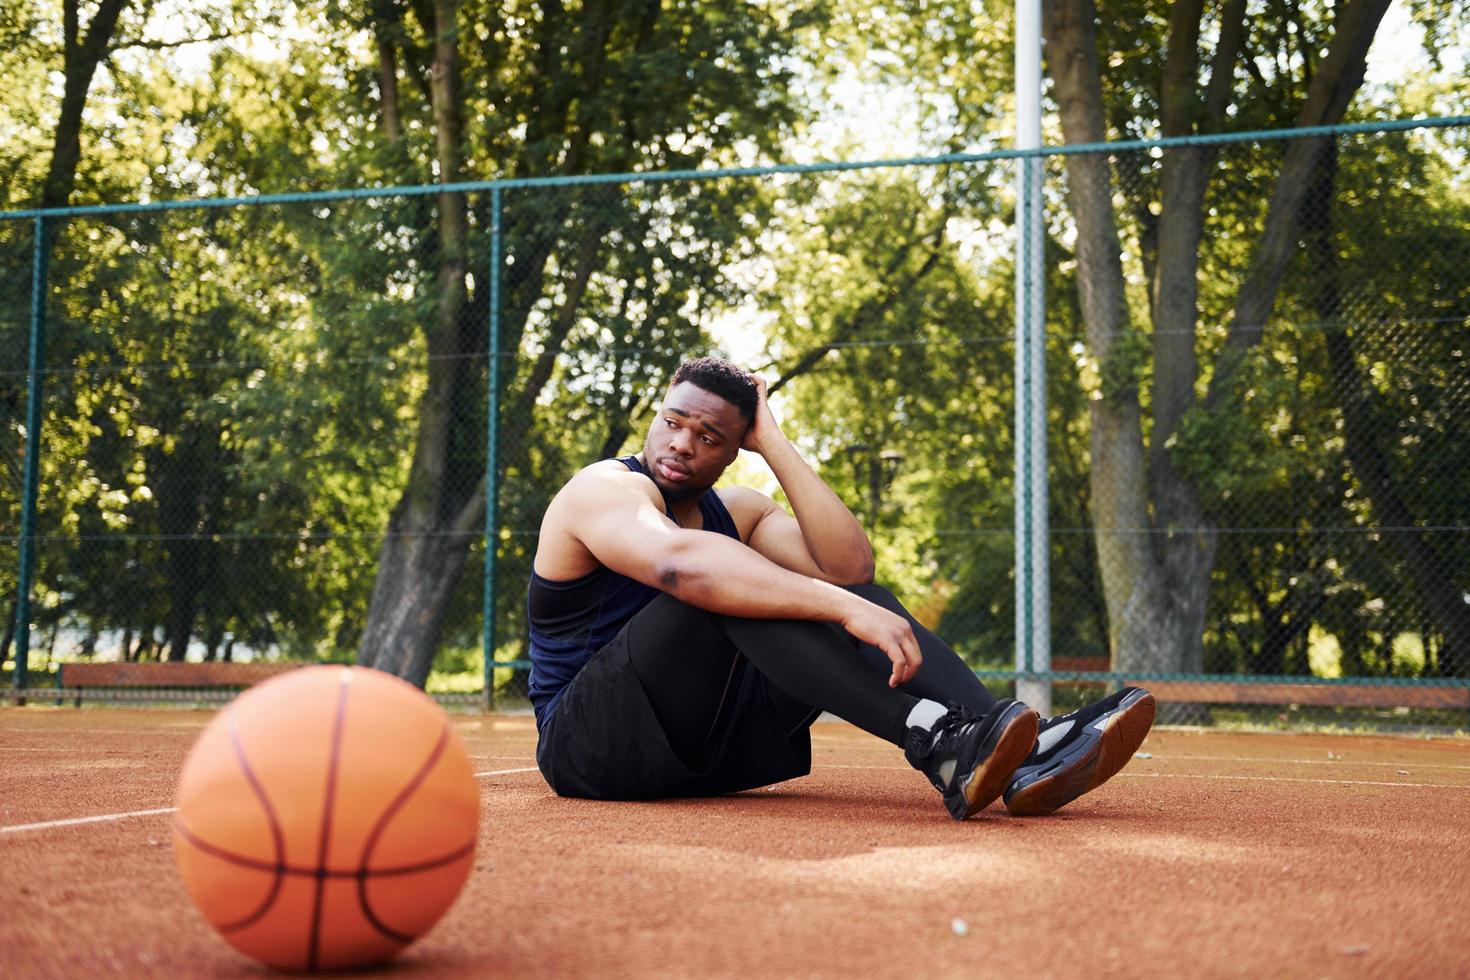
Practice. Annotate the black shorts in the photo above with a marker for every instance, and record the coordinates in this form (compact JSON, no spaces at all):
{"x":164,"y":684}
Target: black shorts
{"x":604,"y":742}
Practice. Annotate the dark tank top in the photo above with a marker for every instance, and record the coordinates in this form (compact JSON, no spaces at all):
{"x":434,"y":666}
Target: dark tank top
{"x":572,"y":620}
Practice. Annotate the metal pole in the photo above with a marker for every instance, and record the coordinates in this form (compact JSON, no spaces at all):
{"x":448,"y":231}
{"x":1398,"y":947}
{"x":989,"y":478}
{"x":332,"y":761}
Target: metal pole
{"x":30,"y":480}
{"x":1033,"y":620}
{"x":492,"y":451}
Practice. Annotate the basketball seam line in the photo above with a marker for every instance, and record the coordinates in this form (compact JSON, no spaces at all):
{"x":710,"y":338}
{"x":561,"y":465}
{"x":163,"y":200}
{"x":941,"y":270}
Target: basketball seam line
{"x":285,"y":869}
{"x":278,"y":842}
{"x":372,"y":841}
{"x":321,"y":854}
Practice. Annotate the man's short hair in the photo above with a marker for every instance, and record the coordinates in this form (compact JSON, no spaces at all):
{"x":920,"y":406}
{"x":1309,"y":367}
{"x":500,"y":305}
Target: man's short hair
{"x":719,"y":377}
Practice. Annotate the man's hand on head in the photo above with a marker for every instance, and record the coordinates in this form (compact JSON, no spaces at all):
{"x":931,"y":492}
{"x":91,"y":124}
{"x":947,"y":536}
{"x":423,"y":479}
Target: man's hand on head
{"x":824,"y":540}
{"x":763,"y":428}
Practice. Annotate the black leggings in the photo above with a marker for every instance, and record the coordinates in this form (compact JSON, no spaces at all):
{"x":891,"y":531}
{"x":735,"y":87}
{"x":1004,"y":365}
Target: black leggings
{"x":689,"y":660}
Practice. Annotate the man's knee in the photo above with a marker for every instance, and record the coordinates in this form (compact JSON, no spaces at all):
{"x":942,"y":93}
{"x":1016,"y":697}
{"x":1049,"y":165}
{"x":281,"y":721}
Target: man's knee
{"x":876,"y":594}
{"x":668,"y":622}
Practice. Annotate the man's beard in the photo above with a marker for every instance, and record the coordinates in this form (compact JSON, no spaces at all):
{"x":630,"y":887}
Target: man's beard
{"x":679,"y":495}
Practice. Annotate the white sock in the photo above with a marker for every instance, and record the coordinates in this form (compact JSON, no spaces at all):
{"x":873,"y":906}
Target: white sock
{"x":925,"y":714}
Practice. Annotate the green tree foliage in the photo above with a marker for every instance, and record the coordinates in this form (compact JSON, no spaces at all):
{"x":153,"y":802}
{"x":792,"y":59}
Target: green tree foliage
{"x":215,"y":437}
{"x":329,"y":94}
{"x":560,"y":89}
{"x":266,"y":426}
{"x":1258,"y":439}
{"x":1276,"y":455}
{"x":893,"y":325}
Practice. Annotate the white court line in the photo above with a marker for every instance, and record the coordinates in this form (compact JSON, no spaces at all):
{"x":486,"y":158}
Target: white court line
{"x":106,"y":817}
{"x":1267,"y":779}
{"x":1319,"y":762}
{"x":505,"y":772}
{"x":103,"y":731}
{"x":1252,"y":758}
{"x":26,"y":748}
{"x":100,"y":818}
{"x":1289,"y":779}
{"x":106,"y":753}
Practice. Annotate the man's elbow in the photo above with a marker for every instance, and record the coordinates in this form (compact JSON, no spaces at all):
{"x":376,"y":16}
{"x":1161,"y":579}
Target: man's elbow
{"x":667,"y":576}
{"x":860,"y":565}
{"x":855,"y":573}
{"x":675,"y":569}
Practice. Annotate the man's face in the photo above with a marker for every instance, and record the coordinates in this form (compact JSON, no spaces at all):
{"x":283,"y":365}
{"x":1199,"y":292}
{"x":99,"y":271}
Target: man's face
{"x":694,"y":436}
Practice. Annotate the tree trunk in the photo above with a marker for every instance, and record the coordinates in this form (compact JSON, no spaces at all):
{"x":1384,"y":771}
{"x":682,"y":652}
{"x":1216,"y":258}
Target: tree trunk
{"x":1138,"y":633}
{"x":214,"y":635}
{"x":388,"y":34}
{"x":1185,"y":540}
{"x":1156,"y":547}
{"x":1283,"y":623}
{"x":1333,"y":87}
{"x":81,"y":56}
{"x":9,"y":638}
{"x":183,"y":599}
{"x":181,"y":516}
{"x":430,"y":531}
{"x":408,"y":607}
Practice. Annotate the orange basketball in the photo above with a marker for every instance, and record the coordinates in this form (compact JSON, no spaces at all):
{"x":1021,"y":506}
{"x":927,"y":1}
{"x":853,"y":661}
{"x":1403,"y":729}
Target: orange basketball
{"x":326,"y":818}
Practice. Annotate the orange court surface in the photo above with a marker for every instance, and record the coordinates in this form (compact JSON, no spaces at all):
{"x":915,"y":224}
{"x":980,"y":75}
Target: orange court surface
{"x":1212,"y":854}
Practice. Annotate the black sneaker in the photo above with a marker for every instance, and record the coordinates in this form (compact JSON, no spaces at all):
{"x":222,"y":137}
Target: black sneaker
{"x":970,"y":760}
{"x":1076,"y":753}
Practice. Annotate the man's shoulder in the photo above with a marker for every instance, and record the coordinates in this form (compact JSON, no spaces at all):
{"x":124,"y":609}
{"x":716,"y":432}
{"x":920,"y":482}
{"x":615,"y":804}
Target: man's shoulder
{"x":596,"y":477}
{"x":737,"y":498}
{"x":605,"y":469}
{"x":594,"y":494}
{"x":613,"y":464}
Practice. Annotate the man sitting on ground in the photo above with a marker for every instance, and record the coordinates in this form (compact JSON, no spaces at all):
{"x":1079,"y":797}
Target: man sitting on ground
{"x":683,"y":638}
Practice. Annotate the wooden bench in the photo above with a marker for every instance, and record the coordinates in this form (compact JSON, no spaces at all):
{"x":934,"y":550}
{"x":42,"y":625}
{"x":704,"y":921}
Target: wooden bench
{"x":1345,"y":694}
{"x":1336,"y":695}
{"x":75,"y":678}
{"x":1085,"y":665}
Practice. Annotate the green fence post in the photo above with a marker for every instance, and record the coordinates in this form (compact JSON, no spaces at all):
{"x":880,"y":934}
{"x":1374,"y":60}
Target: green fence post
{"x":492,"y":450}
{"x":30,"y":481}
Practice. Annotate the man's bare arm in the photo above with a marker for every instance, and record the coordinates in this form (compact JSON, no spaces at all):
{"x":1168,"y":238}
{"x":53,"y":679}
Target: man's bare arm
{"x":824,"y":528}
{"x":618,"y":519}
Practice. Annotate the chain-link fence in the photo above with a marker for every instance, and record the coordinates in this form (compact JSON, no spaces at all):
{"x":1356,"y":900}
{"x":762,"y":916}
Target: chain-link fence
{"x":267,"y":425}
{"x":1278,"y":425}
